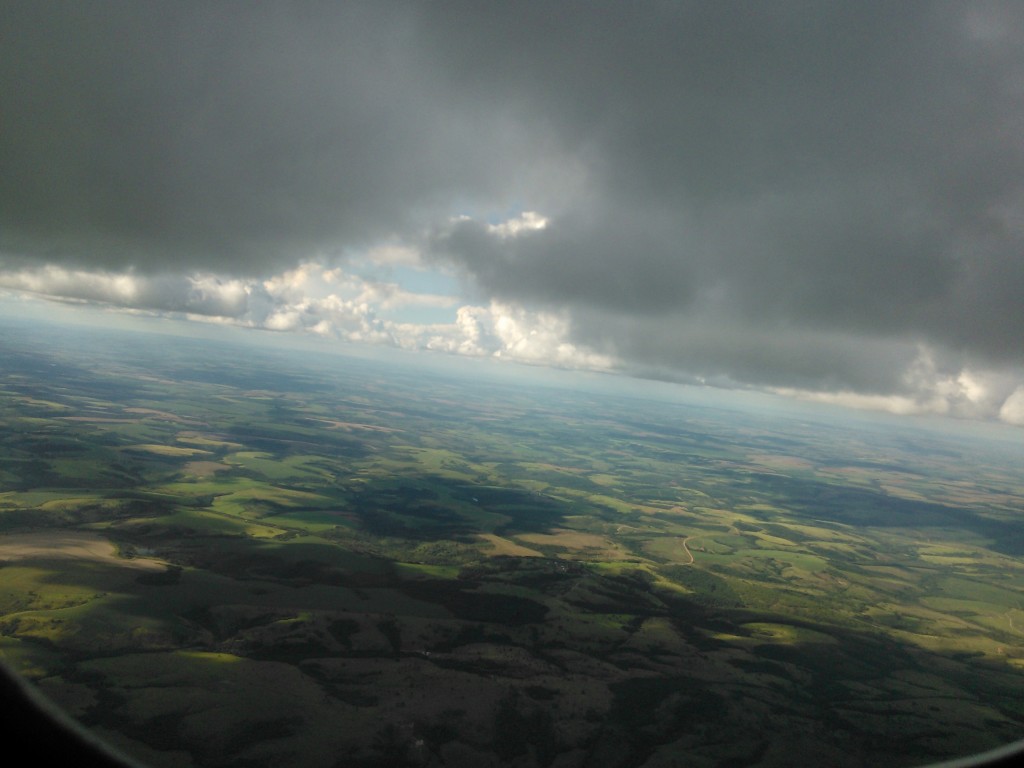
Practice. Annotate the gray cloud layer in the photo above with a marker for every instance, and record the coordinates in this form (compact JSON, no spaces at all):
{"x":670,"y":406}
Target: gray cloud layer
{"x":784,"y":193}
{"x":223,"y":135}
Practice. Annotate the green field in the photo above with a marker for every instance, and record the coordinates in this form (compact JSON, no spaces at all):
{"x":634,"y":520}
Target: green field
{"x":296,"y":561}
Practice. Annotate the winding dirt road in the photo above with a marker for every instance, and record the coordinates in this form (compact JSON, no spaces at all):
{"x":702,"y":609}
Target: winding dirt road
{"x":687,"y":550}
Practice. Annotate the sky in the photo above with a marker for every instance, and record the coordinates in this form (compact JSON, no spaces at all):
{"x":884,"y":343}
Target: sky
{"x":823,"y":200}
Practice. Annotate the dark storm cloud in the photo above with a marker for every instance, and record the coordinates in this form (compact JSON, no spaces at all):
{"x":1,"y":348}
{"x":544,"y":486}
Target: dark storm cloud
{"x":584,"y":260}
{"x":849,"y":169}
{"x":784,"y":193}
{"x":221,"y":135}
{"x":747,"y":352}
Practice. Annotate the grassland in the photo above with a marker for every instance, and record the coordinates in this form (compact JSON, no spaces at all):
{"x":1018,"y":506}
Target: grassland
{"x":284,"y":560}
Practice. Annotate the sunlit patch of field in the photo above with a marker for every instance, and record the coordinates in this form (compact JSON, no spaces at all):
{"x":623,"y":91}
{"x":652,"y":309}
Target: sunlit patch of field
{"x":424,"y":570}
{"x":757,"y":512}
{"x":203,"y":470}
{"x":233,"y":495}
{"x":578,"y":541}
{"x":787,"y":633}
{"x":619,"y":567}
{"x":312,"y":520}
{"x":819,"y":533}
{"x":973,"y":641}
{"x":991,"y":615}
{"x":32,"y":422}
{"x":657,"y":635}
{"x":903,"y":493}
{"x":207,"y":487}
{"x":1014,"y":619}
{"x":952,"y":549}
{"x":971,"y":558}
{"x":21,"y":499}
{"x":948,"y":560}
{"x":640,"y":531}
{"x":537,"y":467}
{"x":722,"y":543}
{"x":210,"y":523}
{"x":164,"y":415}
{"x":166,"y":450}
{"x":431,"y":461}
{"x":771,"y":541}
{"x":795,"y":558}
{"x":193,"y":438}
{"x":70,"y":504}
{"x":277,"y":470}
{"x":693,"y":494}
{"x":874,"y":588}
{"x":97,"y":419}
{"x":973,"y":589}
{"x":38,"y":586}
{"x":599,"y":500}
{"x":49,"y":405}
{"x":98,"y":625}
{"x":919,"y":619}
{"x":349,"y":426}
{"x":721,"y":515}
{"x":896,"y":572}
{"x":838,"y":549}
{"x":668,"y":547}
{"x":63,"y":544}
{"x":604,"y":479}
{"x":502,"y":546}
{"x":978,"y":497}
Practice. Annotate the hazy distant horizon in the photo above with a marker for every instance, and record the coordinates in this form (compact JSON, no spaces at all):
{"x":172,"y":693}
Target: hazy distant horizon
{"x":313,"y":350}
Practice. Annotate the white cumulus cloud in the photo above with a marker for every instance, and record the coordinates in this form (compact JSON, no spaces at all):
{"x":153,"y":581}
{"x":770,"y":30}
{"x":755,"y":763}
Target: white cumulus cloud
{"x":507,"y":331}
{"x":526,"y":222}
{"x":931,"y":388}
{"x":327,"y":302}
{"x":1012,"y":410}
